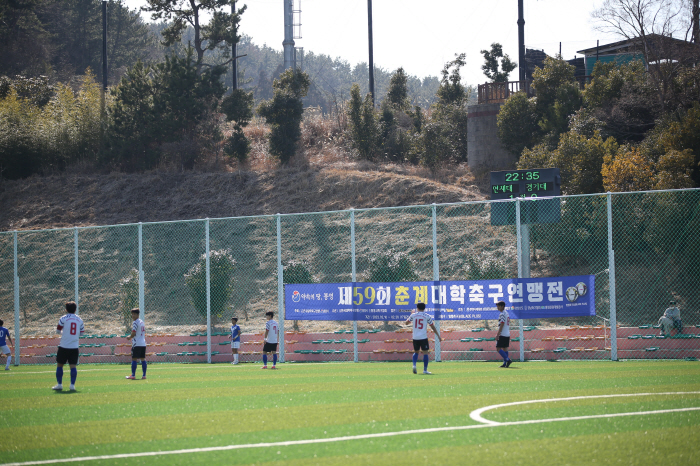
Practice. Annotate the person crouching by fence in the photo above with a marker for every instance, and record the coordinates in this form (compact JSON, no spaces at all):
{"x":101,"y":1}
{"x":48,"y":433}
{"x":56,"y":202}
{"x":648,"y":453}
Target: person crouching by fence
{"x":671,"y":319}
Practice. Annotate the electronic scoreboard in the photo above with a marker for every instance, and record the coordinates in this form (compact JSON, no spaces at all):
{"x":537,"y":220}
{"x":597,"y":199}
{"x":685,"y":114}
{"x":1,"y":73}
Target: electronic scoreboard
{"x":527,"y":184}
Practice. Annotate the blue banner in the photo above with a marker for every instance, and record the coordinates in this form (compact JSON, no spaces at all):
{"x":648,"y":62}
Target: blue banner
{"x":525,"y":298}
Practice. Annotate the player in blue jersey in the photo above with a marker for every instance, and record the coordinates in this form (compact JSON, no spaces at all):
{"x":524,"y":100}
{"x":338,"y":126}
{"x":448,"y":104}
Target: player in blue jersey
{"x":420,"y":322}
{"x":4,"y":333}
{"x":138,"y":344}
{"x":235,"y":339}
{"x":71,"y":328}
{"x":503,"y":334}
{"x":270,"y":346}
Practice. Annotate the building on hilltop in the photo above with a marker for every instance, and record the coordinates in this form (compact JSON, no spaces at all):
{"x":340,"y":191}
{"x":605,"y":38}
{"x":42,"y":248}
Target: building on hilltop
{"x":650,"y":49}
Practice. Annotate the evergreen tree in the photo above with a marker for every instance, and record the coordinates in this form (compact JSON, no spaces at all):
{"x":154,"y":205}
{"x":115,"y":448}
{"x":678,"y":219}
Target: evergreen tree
{"x":169,"y":102}
{"x":491,"y":64}
{"x":284,"y":113}
{"x":238,"y":107}
{"x":363,"y":124}
{"x":220,"y":33}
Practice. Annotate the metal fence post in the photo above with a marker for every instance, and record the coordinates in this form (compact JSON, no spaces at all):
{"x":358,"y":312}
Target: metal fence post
{"x":355,"y":352}
{"x":16,"y":280}
{"x":521,"y":270}
{"x":75,"y":263}
{"x":280,"y":288}
{"x":208,"y":278}
{"x":141,"y":278}
{"x":611,"y":284}
{"x":436,"y":277}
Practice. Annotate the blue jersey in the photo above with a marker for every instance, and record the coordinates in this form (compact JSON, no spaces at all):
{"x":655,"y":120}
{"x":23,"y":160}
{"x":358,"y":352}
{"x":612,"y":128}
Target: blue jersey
{"x":3,"y":333}
{"x":235,"y":333}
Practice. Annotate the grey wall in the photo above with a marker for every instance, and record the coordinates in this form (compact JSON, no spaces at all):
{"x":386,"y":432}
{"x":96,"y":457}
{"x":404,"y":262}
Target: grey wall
{"x":483,"y":145}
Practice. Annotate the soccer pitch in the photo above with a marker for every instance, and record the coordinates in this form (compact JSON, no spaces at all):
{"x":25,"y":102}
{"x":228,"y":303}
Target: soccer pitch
{"x":629,"y":412}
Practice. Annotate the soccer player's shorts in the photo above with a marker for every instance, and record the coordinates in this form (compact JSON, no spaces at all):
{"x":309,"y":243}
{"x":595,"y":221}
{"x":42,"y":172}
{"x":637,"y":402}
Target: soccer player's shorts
{"x":138,"y":352}
{"x":67,"y":355}
{"x":270,"y":347}
{"x":5,"y":349}
{"x":235,"y":344}
{"x":503,"y":342}
{"x":421,"y":345}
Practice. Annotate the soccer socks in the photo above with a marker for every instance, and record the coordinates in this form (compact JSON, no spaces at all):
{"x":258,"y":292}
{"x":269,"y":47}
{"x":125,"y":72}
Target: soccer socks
{"x":504,"y":354}
{"x":415,"y":359}
{"x":274,"y":360}
{"x":9,"y":360}
{"x":235,"y":357}
{"x":133,"y":368}
{"x":425,"y":363}
{"x":59,"y":375}
{"x":143,"y":366}
{"x":264,"y":359}
{"x":73,"y":375}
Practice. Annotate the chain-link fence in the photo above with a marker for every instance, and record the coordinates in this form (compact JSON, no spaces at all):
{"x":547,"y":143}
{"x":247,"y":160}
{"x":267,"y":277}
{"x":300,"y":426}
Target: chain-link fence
{"x":190,"y":277}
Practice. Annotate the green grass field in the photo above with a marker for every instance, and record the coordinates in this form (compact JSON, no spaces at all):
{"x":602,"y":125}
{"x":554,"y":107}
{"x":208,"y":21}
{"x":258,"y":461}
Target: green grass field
{"x":345,"y":413}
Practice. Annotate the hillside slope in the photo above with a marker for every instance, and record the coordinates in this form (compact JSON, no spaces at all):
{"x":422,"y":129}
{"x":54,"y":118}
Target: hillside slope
{"x":81,"y":200}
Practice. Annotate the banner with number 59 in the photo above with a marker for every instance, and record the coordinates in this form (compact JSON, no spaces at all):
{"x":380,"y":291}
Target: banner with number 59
{"x":525,"y":298}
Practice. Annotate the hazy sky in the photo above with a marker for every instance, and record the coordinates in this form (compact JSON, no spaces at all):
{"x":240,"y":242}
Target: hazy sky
{"x":422,"y":35}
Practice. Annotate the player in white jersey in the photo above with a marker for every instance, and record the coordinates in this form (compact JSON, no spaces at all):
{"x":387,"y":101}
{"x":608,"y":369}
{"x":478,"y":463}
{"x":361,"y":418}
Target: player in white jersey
{"x":235,"y":339}
{"x":270,"y":344}
{"x":138,"y":344}
{"x":503,"y":334}
{"x":71,"y":327}
{"x":5,"y":334}
{"x":420,"y":322}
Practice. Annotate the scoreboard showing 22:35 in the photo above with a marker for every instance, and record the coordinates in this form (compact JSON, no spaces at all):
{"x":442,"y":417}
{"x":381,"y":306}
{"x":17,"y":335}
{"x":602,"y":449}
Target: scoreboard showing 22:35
{"x":540,"y":182}
{"x":531,"y":184}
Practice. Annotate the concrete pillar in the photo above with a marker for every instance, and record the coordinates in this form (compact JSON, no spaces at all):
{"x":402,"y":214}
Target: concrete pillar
{"x":483,"y":146}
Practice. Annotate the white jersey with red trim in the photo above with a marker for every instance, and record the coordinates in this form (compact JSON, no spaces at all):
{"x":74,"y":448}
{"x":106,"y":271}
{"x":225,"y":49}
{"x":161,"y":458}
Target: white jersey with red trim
{"x":71,"y":327}
{"x":271,"y":326}
{"x":140,"y":328}
{"x":420,"y":321}
{"x":505,"y":318}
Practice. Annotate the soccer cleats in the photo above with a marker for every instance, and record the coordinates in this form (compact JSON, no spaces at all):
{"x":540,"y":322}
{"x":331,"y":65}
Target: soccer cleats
{"x":57,"y":387}
{"x":263,"y":367}
{"x":72,"y":388}
{"x":143,"y":378}
{"x":130,"y":377}
{"x":274,"y":368}
{"x":509,"y":362}
{"x":427,"y":373}
{"x":414,"y":370}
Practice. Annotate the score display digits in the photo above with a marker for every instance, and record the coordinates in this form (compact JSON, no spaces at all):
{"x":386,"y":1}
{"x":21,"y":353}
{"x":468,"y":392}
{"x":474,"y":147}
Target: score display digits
{"x":526,"y":184}
{"x":509,"y":184}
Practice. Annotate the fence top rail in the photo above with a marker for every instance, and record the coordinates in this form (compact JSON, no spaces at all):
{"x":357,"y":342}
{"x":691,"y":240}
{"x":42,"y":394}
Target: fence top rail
{"x":346,"y":211}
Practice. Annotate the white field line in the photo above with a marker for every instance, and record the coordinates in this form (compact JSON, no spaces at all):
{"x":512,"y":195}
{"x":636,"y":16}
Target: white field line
{"x":380,"y":435}
{"x":118,"y":367}
{"x":476,"y":414}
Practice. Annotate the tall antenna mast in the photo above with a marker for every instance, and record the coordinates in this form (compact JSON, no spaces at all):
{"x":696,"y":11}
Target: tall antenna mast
{"x":292,"y":30}
{"x":288,"y":34}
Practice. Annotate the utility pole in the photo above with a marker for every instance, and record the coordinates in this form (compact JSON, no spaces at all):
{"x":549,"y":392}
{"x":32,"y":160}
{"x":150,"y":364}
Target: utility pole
{"x":371,"y":51}
{"x":234,"y":53}
{"x":104,"y":47}
{"x":103,"y":103}
{"x":521,"y":44}
{"x":696,"y":22}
